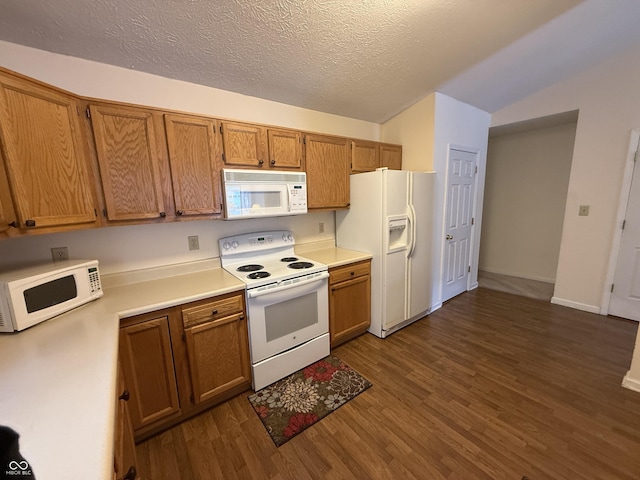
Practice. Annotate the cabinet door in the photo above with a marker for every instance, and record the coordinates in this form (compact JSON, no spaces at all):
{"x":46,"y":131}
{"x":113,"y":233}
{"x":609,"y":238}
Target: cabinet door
{"x":126,"y":149}
{"x":285,"y":149}
{"x":125,"y":459}
{"x":244,"y":145}
{"x":349,"y":302}
{"x":391,"y":156}
{"x":7,"y":214}
{"x":218,"y":354}
{"x":194,"y":167}
{"x":147,"y":362}
{"x":364,"y":156}
{"x":327,"y":167}
{"x":46,"y":159}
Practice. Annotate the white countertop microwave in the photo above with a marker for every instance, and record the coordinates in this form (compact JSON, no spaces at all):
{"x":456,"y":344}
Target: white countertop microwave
{"x":34,"y":294}
{"x":258,"y":193}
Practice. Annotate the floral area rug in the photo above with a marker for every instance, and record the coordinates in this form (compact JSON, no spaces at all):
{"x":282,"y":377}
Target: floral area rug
{"x":296,"y":402}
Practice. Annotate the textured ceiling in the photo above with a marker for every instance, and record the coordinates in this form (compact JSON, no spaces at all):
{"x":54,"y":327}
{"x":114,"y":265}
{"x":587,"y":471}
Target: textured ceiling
{"x":366,"y":59}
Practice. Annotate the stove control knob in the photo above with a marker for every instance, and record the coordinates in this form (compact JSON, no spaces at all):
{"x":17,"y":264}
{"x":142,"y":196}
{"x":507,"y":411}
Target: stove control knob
{"x":235,"y":244}
{"x":290,"y":237}
{"x":226,"y":245}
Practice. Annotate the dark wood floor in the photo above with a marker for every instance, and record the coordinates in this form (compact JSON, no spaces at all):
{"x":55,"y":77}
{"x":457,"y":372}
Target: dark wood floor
{"x":491,"y":386}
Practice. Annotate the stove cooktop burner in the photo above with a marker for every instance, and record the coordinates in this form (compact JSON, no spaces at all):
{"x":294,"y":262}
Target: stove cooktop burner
{"x":289,"y":259}
{"x":249,"y":268}
{"x":256,"y":275}
{"x":300,"y":265}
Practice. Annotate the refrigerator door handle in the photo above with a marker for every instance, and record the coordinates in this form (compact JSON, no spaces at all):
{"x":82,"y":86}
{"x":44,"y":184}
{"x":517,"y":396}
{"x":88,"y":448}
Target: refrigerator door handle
{"x":412,"y":220}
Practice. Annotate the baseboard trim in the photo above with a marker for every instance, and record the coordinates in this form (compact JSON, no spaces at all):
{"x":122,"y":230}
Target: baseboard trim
{"x":631,"y":383}
{"x":517,"y":275}
{"x":577,"y":305}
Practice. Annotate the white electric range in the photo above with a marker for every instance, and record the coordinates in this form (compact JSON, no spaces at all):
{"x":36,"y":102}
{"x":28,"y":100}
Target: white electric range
{"x":287,"y":302}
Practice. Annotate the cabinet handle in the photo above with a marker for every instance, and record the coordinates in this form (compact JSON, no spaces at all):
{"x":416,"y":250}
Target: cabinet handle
{"x":125,"y":396}
{"x":273,"y":162}
{"x":30,"y":223}
{"x":131,"y":474}
{"x":14,"y":224}
{"x":353,"y":273}
{"x":260,"y":162}
{"x":179,"y":212}
{"x":163,"y":214}
{"x":214,"y":312}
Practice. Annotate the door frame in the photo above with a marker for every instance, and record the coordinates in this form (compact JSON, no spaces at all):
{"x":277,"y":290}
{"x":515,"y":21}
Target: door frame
{"x":625,"y":192}
{"x":474,"y":213}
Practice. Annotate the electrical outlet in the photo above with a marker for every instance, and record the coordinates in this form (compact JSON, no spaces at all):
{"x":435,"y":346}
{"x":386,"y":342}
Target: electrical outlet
{"x":194,"y":243}
{"x":321,"y":227}
{"x":59,"y":253}
{"x":584,"y":210}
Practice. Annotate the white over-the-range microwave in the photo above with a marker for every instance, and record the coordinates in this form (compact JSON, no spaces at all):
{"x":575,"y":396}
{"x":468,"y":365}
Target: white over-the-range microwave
{"x":258,"y":193}
{"x":34,"y":294}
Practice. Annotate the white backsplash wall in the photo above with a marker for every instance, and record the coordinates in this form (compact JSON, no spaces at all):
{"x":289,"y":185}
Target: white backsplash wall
{"x":121,"y":249}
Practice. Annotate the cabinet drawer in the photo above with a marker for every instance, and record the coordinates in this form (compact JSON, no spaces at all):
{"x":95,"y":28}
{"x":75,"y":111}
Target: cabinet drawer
{"x":340,"y":274}
{"x":209,"y":311}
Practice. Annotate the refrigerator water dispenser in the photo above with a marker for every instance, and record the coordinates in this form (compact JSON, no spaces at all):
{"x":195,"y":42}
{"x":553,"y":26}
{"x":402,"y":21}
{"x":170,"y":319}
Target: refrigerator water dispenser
{"x":398,"y":237}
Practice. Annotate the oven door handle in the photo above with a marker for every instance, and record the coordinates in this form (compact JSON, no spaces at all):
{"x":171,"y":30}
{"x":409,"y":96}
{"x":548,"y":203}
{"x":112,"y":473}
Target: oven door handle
{"x":258,"y":293}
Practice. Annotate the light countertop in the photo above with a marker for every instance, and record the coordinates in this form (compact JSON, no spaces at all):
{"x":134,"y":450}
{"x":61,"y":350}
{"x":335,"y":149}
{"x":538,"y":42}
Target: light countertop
{"x":58,"y":378}
{"x":335,"y":257}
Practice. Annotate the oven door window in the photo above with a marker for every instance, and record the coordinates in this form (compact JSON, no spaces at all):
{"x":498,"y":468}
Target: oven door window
{"x":291,"y":316}
{"x":285,"y":319}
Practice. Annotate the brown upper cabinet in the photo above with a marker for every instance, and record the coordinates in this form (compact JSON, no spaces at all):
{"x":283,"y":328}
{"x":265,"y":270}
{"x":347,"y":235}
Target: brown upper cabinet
{"x":328,"y":169}
{"x":365,"y":156}
{"x":46,"y":156}
{"x":390,"y":156}
{"x":254,"y":146}
{"x":7,"y":214}
{"x":139,"y":164}
{"x":244,"y":145}
{"x":195,"y":170}
{"x":127,"y":151}
{"x":285,"y":149}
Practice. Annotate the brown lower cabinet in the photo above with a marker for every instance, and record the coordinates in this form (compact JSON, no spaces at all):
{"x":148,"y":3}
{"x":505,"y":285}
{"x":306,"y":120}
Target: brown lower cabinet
{"x":125,"y":460}
{"x":179,"y":361}
{"x":349,"y":301}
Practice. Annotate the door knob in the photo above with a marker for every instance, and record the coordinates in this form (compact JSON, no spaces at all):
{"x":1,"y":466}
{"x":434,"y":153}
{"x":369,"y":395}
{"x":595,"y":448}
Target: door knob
{"x":449,"y":237}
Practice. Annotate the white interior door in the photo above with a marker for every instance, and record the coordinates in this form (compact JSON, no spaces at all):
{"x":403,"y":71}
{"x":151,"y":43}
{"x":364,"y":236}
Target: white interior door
{"x":625,"y":297}
{"x":461,"y":180}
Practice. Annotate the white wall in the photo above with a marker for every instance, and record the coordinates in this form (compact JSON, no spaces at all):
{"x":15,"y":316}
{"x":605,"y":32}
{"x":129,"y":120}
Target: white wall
{"x":461,"y":125}
{"x":525,"y":194}
{"x":632,"y":378}
{"x":134,"y":247}
{"x":609,"y":104}
{"x":143,"y":246}
{"x":426,"y":131}
{"x":413,"y":128}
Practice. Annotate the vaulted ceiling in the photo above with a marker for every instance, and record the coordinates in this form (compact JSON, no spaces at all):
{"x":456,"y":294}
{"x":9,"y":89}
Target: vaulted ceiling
{"x":365,"y":59}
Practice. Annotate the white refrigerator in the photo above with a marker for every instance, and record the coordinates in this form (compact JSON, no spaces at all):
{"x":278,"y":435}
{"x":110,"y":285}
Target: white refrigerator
{"x":391,"y":217}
